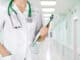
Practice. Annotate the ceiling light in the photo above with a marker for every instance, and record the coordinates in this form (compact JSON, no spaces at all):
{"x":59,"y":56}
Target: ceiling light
{"x":48,"y":9}
{"x":49,"y":3}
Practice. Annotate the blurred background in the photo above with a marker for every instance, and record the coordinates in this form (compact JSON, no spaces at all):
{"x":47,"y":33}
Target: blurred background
{"x":63,"y":41}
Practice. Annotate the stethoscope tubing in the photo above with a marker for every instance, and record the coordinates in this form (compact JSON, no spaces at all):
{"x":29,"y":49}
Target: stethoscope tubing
{"x":10,"y":7}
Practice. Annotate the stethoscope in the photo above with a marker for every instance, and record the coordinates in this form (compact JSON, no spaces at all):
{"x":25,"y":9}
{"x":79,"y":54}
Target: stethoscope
{"x":11,"y":9}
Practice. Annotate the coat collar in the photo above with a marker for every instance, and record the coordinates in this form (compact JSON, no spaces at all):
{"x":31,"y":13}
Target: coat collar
{"x":25,"y":13}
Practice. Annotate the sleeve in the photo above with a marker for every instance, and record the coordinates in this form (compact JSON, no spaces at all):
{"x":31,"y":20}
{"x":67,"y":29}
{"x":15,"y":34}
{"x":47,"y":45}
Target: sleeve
{"x":2,"y":10}
{"x":39,"y":22}
{"x":37,"y":8}
{"x":1,"y":24}
{"x":1,"y":28}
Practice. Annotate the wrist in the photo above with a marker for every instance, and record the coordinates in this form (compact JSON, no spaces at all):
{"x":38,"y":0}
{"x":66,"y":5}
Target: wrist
{"x":41,"y":39}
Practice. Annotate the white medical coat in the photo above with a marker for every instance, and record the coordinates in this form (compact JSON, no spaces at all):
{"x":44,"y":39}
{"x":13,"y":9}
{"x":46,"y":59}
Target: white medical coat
{"x":18,"y":41}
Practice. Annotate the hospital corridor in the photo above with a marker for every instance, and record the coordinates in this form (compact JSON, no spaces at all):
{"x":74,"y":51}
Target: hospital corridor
{"x":63,"y":39}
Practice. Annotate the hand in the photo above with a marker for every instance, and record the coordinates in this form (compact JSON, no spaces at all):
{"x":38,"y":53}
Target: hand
{"x":3,"y":51}
{"x":43,"y":33}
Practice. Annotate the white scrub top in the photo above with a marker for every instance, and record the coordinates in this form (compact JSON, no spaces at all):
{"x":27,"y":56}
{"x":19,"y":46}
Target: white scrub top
{"x":18,"y":41}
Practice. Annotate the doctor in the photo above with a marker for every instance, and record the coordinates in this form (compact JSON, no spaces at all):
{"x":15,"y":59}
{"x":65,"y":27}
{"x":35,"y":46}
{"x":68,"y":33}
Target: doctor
{"x":20,"y":23}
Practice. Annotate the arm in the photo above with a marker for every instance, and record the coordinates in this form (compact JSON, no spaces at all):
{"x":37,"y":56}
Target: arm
{"x":39,"y":20}
{"x":3,"y":50}
{"x":40,"y":28}
{"x":44,"y":30}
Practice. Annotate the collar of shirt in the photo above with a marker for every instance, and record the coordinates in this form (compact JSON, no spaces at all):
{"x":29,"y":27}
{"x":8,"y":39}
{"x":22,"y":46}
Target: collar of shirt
{"x":25,"y":13}
{"x":22,"y":16}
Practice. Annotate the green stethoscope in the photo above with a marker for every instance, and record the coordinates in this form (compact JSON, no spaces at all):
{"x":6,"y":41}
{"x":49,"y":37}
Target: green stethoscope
{"x":11,"y":9}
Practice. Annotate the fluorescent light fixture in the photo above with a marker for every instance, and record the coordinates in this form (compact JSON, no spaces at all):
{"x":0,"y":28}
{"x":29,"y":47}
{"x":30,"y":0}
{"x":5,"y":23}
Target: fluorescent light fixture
{"x":47,"y":12}
{"x":46,"y":15}
{"x":48,"y":9}
{"x":49,"y":3}
{"x":46,"y":18}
